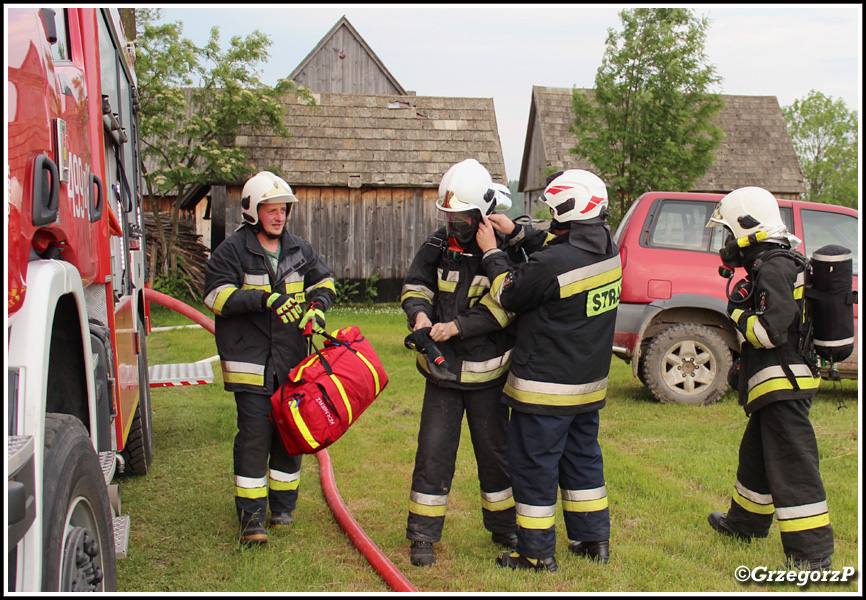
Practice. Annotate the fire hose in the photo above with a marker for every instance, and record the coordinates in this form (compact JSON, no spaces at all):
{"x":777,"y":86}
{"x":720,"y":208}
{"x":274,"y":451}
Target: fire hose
{"x":374,"y":555}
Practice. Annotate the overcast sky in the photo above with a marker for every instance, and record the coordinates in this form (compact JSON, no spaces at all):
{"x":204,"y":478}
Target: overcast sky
{"x":500,"y":51}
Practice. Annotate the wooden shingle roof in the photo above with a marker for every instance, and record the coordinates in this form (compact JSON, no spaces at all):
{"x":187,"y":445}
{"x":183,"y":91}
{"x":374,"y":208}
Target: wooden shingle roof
{"x":757,"y":149}
{"x":359,"y":140}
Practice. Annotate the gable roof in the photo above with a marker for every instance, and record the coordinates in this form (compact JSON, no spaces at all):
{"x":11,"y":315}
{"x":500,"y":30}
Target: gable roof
{"x":326,"y":70}
{"x":378,"y":140}
{"x":757,"y":149}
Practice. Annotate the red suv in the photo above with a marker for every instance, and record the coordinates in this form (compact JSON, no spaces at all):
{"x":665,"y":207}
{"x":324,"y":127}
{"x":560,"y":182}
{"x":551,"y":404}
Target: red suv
{"x":671,"y":323}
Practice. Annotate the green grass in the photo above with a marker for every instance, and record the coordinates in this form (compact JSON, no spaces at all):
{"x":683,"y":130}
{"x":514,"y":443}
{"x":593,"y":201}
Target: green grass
{"x":666,"y":466}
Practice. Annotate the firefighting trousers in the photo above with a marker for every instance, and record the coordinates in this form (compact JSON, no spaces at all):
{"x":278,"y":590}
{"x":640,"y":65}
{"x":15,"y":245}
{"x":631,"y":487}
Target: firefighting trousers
{"x":778,"y":473}
{"x":549,"y":453}
{"x":264,"y":471}
{"x":438,"y":440}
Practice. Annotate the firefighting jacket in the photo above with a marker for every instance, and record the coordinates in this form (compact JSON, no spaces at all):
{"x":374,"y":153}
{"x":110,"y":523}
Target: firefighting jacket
{"x":254,"y":345}
{"x":771,"y":366}
{"x":457,"y":289}
{"x":565,"y":298}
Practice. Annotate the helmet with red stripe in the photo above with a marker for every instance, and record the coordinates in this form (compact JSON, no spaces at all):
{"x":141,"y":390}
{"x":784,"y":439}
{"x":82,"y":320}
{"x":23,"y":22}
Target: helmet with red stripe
{"x":576,"y":195}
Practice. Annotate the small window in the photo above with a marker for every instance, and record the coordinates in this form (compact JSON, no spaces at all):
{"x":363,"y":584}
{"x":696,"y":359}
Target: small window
{"x":60,"y":49}
{"x":821,"y":228}
{"x":681,"y":225}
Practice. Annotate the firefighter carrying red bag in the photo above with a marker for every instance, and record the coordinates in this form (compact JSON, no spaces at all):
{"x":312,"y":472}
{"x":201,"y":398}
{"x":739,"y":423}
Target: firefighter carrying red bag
{"x":327,"y":392}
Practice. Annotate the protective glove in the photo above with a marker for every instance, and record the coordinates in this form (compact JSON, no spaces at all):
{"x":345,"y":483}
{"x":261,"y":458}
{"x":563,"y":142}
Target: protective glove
{"x":314,"y":316}
{"x":284,"y":305}
{"x":420,"y":341}
{"x":740,"y":296}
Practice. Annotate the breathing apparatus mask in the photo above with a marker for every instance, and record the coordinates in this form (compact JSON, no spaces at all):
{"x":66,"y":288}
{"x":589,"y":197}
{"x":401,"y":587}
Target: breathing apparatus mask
{"x":731,"y":251}
{"x":462,"y":226}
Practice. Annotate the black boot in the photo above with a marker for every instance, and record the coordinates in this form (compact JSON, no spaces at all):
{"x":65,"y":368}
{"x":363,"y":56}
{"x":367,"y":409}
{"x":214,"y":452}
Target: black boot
{"x":421,"y":554}
{"x":509,"y":540}
{"x":809,"y":564}
{"x":280,"y":520}
{"x":253,"y":533}
{"x":595,"y":551}
{"x":514,"y":561}
{"x":719,"y":522}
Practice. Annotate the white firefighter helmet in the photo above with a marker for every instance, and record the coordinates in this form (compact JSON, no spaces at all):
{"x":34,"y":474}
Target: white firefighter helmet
{"x":263,"y":188}
{"x":750,"y":211}
{"x":575,"y":195}
{"x":467,"y":186}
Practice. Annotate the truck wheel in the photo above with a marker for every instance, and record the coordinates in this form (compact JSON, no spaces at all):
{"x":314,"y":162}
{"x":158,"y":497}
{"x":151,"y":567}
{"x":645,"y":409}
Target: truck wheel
{"x":687,"y":363}
{"x":77,"y":528}
{"x":138,"y":450}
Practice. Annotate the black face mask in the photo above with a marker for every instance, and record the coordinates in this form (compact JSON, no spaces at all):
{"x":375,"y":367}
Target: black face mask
{"x":730,"y":252}
{"x":463,"y":230}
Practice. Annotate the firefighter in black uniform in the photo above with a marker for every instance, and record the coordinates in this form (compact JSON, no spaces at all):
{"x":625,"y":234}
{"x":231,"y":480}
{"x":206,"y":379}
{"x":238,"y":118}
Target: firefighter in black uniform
{"x":565,"y":298}
{"x":445,"y":296}
{"x":256,"y":283}
{"x":778,"y":459}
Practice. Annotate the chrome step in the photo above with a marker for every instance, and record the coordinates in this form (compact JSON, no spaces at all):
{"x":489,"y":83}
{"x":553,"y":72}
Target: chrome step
{"x":121,"y":535}
{"x":108,"y":462}
{"x":198,"y":373}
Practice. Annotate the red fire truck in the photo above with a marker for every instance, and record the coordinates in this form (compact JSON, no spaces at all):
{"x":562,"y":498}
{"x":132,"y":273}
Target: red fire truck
{"x":78,"y":400}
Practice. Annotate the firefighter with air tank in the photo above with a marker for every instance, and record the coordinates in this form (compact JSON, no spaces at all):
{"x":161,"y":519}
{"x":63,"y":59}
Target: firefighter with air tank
{"x":776,"y":382}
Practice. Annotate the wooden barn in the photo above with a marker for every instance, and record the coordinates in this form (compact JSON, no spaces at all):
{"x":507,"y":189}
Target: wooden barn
{"x":757,"y":149}
{"x":343,"y":63}
{"x":366,"y":171}
{"x":365,"y":162}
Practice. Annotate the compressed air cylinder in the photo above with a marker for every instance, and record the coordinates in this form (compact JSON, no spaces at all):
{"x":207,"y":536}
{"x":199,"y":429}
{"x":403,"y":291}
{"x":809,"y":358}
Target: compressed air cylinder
{"x":833,"y":302}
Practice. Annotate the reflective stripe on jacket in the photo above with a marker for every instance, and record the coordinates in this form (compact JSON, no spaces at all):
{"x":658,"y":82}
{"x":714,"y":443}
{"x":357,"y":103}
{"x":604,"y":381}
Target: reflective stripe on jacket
{"x":255,"y":346}
{"x":566,"y":299}
{"x":771,"y":367}
{"x":458,"y":290}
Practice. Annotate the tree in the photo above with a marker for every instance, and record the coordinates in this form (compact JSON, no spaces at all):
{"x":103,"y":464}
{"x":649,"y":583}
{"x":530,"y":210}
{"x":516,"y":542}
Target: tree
{"x":188,"y":133}
{"x":647,"y":125}
{"x":825,"y":136}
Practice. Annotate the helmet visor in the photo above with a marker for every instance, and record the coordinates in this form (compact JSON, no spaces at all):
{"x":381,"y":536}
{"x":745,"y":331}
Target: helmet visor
{"x":462,"y":226}
{"x":716,"y":218}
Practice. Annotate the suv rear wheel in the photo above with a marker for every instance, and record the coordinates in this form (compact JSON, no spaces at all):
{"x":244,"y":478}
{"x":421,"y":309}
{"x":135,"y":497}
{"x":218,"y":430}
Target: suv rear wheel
{"x":687,"y":363}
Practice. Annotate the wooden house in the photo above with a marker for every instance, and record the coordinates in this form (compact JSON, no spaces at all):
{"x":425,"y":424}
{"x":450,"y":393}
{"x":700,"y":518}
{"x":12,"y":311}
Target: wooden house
{"x":342,"y":62}
{"x":757,"y":149}
{"x":366,"y":171}
{"x":365,"y":162}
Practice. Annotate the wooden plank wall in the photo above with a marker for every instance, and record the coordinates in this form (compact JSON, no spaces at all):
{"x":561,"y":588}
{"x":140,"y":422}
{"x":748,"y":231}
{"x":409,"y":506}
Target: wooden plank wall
{"x":355,"y":74}
{"x":360,"y":232}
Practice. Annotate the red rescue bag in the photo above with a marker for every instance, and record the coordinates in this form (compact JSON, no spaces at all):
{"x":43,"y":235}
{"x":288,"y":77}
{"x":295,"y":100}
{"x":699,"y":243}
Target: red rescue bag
{"x":327,"y":392}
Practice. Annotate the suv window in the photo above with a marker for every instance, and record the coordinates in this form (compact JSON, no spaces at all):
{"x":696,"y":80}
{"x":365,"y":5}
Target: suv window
{"x":681,"y":225}
{"x":821,"y":228}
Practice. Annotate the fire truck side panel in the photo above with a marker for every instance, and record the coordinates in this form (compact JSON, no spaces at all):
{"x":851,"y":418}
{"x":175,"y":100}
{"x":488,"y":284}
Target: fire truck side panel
{"x":127,"y":365}
{"x":64,"y":267}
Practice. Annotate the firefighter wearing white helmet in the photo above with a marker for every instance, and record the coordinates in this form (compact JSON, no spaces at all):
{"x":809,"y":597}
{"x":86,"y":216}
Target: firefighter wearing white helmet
{"x":466,"y":195}
{"x":264,"y":188}
{"x":446,"y":299}
{"x":256,"y":283}
{"x":565,"y":298}
{"x":778,"y":469}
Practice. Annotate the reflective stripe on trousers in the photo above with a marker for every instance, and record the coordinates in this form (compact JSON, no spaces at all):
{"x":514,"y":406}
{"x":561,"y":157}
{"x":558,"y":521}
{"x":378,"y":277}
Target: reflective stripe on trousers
{"x":438,"y":441}
{"x":778,"y":474}
{"x":263,"y":471}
